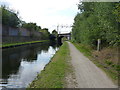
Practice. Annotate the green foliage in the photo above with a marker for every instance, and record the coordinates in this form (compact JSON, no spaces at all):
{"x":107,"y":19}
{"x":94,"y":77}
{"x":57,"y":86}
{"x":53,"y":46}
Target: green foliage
{"x":53,"y":36}
{"x":117,"y":12}
{"x":31,"y":26}
{"x":55,"y":33}
{"x":117,"y":67}
{"x":97,"y":20}
{"x":9,"y":17}
{"x":45,"y":33}
{"x":108,"y":62}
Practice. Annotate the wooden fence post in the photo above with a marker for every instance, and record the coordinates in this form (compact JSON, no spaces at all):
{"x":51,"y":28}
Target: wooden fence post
{"x":98,"y":45}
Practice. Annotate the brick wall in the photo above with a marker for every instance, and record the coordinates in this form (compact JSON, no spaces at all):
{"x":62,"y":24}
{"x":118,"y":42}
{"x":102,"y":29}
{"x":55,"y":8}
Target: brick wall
{"x":12,"y":35}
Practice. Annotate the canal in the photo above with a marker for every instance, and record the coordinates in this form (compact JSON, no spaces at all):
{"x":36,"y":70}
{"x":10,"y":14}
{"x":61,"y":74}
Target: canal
{"x":20,"y":65}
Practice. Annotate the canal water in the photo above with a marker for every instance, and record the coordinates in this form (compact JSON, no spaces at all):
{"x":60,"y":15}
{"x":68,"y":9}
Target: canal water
{"x":20,"y":65}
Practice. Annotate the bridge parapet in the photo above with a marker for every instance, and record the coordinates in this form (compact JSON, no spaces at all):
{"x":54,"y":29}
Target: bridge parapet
{"x":68,"y":35}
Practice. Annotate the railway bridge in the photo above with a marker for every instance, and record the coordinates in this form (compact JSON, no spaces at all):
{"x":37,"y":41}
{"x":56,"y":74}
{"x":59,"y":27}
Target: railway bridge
{"x":66,"y":35}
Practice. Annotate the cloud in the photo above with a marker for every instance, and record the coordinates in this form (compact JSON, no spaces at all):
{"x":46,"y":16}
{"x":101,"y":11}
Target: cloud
{"x":4,"y":2}
{"x":46,"y":13}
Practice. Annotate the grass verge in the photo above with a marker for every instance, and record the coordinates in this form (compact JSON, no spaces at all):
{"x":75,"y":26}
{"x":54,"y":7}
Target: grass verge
{"x":19,"y":44}
{"x":84,"y":49}
{"x":53,"y":76}
{"x":112,"y":70}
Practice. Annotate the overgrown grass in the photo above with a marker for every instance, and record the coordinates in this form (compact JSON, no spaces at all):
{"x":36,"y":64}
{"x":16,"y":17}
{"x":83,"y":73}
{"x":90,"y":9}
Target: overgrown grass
{"x":84,"y":49}
{"x":53,"y":76}
{"x":21,"y":43}
{"x":108,"y":67}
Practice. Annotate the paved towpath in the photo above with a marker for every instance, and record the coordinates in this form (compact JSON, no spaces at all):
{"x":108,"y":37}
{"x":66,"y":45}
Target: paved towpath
{"x":87,"y":74}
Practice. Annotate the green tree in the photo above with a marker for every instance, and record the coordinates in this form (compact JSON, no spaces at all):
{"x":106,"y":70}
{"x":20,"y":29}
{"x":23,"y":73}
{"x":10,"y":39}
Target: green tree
{"x":9,"y":18}
{"x":53,"y":36}
{"x":55,"y":33}
{"x":45,"y":33}
{"x":97,"y":20}
{"x":31,"y":26}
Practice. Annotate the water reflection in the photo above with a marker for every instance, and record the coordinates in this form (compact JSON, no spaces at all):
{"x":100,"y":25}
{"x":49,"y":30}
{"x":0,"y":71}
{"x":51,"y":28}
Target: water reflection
{"x":20,"y":65}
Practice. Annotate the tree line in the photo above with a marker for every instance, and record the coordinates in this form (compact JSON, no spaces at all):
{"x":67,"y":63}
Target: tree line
{"x":97,"y":20}
{"x":10,"y":18}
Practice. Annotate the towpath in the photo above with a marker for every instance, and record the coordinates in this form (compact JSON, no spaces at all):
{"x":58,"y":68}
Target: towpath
{"x":87,"y":74}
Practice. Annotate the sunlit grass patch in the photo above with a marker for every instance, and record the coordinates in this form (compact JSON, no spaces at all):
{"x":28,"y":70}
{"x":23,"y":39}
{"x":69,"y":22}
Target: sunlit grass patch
{"x":53,"y":76}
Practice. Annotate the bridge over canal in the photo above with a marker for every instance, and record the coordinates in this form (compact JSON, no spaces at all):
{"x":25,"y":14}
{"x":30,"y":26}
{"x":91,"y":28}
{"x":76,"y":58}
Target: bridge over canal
{"x":66,"y":35}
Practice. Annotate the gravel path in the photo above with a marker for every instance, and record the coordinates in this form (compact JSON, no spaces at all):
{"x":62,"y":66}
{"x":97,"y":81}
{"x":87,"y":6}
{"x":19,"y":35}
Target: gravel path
{"x":87,"y":74}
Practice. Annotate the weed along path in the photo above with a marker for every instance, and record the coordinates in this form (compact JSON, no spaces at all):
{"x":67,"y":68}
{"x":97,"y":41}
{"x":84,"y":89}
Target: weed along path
{"x":87,"y":74}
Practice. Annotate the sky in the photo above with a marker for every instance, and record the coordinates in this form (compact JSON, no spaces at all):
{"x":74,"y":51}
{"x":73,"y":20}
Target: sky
{"x":46,"y":13}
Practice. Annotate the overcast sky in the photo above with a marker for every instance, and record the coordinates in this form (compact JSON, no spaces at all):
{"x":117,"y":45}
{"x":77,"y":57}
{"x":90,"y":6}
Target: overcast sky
{"x":46,"y":13}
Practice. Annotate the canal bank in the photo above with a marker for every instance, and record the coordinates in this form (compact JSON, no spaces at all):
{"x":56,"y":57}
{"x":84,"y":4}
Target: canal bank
{"x":106,"y":59}
{"x":20,"y":65}
{"x":59,"y":74}
{"x":9,"y":45}
{"x":54,"y":74}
